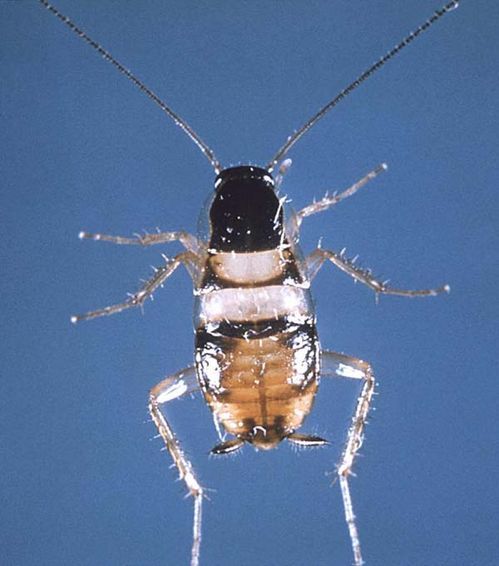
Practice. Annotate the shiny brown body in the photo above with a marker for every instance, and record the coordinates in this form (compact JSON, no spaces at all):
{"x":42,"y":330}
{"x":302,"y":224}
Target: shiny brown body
{"x":265,"y":385}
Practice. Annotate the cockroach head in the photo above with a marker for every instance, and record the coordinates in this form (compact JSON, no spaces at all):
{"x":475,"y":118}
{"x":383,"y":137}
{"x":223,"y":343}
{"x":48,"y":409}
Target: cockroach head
{"x":248,"y":174}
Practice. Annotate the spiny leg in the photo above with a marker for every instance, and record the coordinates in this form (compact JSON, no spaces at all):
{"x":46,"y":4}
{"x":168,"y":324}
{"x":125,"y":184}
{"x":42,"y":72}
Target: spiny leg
{"x":187,"y":240}
{"x":330,"y":200}
{"x":339,"y":365}
{"x":171,"y":388}
{"x":315,"y":260}
{"x":137,"y":299}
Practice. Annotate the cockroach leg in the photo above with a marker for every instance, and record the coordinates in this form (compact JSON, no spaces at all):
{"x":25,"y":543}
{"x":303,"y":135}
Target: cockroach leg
{"x":340,"y":365}
{"x":137,"y":299}
{"x":171,"y":388}
{"x":330,"y":200}
{"x":189,"y":241}
{"x":315,"y":260}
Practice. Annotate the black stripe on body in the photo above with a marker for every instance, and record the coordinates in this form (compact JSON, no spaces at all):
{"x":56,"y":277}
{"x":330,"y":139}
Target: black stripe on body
{"x":252,"y":330}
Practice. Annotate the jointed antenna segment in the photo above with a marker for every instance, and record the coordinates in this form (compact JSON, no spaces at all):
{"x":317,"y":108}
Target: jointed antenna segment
{"x":209,"y":154}
{"x":351,"y":87}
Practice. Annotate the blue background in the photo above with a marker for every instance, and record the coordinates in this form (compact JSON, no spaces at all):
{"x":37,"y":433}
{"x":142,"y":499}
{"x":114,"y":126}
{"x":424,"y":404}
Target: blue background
{"x":82,"y":482}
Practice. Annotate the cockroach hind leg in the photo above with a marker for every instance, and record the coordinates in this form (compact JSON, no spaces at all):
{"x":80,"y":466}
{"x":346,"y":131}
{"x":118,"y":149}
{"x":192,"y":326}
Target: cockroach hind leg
{"x":171,"y":388}
{"x":340,"y":365}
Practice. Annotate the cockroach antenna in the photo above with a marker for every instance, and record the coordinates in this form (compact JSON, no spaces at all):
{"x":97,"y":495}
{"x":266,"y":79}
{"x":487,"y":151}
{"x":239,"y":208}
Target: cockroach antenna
{"x":180,"y":122}
{"x":290,"y":142}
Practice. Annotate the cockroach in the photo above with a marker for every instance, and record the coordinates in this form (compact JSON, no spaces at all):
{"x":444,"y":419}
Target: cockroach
{"x":258,"y":359}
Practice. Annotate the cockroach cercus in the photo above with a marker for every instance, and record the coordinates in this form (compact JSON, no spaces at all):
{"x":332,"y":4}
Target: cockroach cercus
{"x":258,"y":360}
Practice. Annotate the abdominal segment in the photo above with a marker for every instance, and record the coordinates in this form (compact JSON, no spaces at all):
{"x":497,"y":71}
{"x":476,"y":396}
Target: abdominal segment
{"x":259,"y":378}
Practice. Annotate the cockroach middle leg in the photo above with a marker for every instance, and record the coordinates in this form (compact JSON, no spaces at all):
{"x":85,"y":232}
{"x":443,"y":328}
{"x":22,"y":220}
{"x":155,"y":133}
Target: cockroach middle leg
{"x":189,"y":241}
{"x":340,"y":365}
{"x":316,"y":259}
{"x":137,"y":299}
{"x":171,"y":388}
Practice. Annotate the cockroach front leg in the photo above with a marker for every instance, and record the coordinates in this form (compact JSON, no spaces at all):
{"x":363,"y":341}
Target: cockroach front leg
{"x":174,"y":387}
{"x":189,"y":241}
{"x":330,"y":200}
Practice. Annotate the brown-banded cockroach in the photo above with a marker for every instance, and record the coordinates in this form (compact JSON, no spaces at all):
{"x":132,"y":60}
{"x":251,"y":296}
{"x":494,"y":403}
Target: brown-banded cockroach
{"x":258,"y":359}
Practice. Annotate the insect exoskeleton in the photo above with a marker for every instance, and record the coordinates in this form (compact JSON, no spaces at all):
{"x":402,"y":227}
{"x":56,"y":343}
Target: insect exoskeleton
{"x":257,"y":351}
